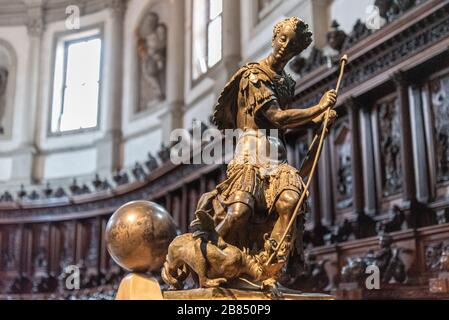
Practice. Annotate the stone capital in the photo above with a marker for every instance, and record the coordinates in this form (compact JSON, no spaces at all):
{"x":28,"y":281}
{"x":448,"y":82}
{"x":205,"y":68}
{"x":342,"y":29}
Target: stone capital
{"x":117,"y":7}
{"x":35,"y":17}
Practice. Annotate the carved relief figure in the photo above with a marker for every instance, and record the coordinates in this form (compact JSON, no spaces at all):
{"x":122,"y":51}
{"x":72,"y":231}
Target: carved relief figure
{"x":41,"y":252}
{"x":3,"y":85}
{"x":343,"y":165}
{"x":67,"y":233}
{"x":440,"y":103}
{"x":437,"y":257}
{"x":390,"y":147}
{"x":387,"y":259}
{"x":152,"y":53}
{"x":10,"y":256}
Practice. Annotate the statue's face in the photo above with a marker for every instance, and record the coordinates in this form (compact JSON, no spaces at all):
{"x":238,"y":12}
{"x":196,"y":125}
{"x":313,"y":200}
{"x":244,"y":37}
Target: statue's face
{"x":285,"y":46}
{"x":152,"y":21}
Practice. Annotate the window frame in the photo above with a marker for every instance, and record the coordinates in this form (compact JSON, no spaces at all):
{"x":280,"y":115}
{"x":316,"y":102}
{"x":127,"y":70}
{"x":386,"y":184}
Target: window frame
{"x":195,"y":81}
{"x":60,"y":39}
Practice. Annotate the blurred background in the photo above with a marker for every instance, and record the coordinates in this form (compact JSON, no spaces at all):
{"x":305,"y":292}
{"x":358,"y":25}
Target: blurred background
{"x":91,"y":90}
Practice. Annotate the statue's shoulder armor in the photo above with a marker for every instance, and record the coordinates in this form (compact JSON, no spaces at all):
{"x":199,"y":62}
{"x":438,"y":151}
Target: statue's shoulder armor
{"x":254,"y":74}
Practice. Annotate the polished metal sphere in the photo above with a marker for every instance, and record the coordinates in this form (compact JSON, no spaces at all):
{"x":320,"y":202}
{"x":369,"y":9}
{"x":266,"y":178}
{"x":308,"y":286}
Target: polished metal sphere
{"x":138,"y":235}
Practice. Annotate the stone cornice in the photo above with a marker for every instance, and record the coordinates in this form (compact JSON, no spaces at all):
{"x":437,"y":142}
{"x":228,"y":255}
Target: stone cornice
{"x":16,"y":13}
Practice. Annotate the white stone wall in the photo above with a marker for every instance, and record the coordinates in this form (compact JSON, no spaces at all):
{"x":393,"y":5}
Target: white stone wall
{"x":15,"y":158}
{"x":31,"y":155}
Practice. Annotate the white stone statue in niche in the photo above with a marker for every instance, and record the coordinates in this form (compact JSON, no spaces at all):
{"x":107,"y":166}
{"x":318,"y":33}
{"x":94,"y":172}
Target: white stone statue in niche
{"x":152,"y":52}
{"x":3,"y":84}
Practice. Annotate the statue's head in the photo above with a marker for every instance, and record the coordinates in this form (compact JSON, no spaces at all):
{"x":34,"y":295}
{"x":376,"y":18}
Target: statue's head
{"x":290,"y":37}
{"x":150,"y":23}
{"x":385,"y":240}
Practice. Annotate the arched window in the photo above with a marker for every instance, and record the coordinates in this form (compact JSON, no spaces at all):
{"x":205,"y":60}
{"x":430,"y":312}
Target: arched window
{"x":206,"y":35}
{"x":76,"y":82}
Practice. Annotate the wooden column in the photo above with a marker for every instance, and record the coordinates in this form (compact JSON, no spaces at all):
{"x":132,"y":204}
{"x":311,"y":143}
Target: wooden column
{"x":319,"y":231}
{"x":368,"y":170}
{"x":79,"y":243}
{"x":103,"y":249}
{"x":409,"y":194}
{"x":314,"y":192}
{"x":325,"y":183}
{"x":421,"y":164}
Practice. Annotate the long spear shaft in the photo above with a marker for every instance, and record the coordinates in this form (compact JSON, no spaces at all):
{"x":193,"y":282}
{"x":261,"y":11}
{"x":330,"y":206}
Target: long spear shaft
{"x":343,"y":62}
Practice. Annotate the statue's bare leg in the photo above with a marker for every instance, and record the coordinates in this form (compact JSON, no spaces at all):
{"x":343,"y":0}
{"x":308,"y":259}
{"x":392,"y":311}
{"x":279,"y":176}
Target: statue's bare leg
{"x":285,"y":207}
{"x":233,"y":228}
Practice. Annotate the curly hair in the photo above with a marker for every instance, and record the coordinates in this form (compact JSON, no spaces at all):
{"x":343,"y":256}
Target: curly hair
{"x":303,"y":34}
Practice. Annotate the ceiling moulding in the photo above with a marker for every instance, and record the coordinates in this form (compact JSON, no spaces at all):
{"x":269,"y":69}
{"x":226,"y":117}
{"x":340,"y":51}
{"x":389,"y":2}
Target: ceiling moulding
{"x":14,"y":13}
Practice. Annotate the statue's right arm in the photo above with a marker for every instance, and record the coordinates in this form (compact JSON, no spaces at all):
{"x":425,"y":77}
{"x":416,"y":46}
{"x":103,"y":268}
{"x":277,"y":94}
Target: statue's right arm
{"x":294,"y":118}
{"x":291,"y":118}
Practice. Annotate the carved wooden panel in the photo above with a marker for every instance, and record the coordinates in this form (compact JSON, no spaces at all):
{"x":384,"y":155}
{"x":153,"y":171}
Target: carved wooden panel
{"x":439,"y":90}
{"x":10,"y":248}
{"x":388,"y":146}
{"x":92,"y":237}
{"x":40,"y":255}
{"x":67,"y":234}
{"x":432,"y":254}
{"x":341,"y":164}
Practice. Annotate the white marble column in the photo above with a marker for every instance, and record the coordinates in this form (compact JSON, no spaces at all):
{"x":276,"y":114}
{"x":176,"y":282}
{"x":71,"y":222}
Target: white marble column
{"x":231,"y":36}
{"x":172,"y":118}
{"x":31,"y":163}
{"x":110,"y":148}
{"x":320,"y":21}
{"x":231,"y":44}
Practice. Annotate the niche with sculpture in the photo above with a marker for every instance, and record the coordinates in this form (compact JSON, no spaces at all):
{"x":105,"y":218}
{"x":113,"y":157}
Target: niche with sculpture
{"x":3,"y":86}
{"x":151,"y":36}
{"x":8,"y":67}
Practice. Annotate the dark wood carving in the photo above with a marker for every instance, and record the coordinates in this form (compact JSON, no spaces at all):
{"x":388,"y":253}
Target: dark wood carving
{"x":342,"y":164}
{"x":440,"y":105}
{"x":389,"y":147}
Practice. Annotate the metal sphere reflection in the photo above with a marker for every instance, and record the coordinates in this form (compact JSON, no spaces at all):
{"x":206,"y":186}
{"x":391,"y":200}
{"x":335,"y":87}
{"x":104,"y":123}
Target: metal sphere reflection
{"x":138,"y":235}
